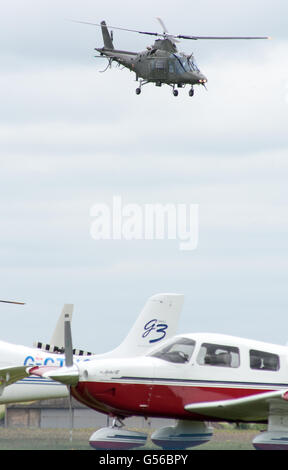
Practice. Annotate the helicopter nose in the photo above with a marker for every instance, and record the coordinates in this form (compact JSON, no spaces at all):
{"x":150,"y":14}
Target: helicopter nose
{"x":202,"y":79}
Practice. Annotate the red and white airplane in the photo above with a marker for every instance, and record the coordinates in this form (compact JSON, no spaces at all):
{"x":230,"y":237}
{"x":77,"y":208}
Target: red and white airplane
{"x":157,"y":321}
{"x":193,"y":378}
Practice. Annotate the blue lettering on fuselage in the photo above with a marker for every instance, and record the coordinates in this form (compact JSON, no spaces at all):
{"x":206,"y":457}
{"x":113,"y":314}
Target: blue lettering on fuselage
{"x":48,"y":361}
{"x":29,"y":361}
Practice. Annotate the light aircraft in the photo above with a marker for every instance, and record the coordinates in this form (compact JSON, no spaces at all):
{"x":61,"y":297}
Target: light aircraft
{"x":31,"y":388}
{"x":193,"y":378}
{"x":157,"y":321}
{"x":160,"y":63}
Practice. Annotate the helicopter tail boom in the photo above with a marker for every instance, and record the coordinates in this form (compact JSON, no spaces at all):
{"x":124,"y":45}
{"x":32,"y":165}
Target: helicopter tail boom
{"x":107,"y":38}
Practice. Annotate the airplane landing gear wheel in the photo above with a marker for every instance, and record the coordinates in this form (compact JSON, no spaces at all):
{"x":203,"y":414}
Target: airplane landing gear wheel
{"x":175,"y":92}
{"x":138,"y":91}
{"x":191,"y":92}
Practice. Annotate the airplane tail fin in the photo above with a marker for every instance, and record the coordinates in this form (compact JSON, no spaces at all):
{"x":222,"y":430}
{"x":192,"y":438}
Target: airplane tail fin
{"x":107,"y":38}
{"x":157,"y":322}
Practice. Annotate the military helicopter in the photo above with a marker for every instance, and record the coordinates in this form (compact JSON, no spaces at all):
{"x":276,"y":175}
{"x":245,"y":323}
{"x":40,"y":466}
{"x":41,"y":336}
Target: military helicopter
{"x":160,"y":63}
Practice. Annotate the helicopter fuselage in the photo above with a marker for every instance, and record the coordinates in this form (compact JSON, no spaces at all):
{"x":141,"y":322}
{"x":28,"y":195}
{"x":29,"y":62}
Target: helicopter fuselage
{"x":158,"y":66}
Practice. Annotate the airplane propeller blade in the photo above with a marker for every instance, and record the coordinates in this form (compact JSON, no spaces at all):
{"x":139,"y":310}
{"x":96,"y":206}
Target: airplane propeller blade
{"x":68,"y":346}
{"x":68,"y":335}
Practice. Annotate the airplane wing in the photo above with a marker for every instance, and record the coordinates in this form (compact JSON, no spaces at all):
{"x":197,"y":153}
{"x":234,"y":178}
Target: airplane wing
{"x":254,"y":407}
{"x":65,"y":375}
{"x":9,"y":375}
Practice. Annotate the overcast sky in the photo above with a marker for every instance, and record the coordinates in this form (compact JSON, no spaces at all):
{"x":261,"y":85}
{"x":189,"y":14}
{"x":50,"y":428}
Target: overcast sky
{"x":72,"y":137}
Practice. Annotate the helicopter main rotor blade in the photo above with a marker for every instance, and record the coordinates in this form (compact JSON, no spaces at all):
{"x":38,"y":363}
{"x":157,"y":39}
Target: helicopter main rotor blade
{"x":165,"y":34}
{"x":11,"y":302}
{"x":195,"y":38}
{"x":165,"y":30}
{"x":121,"y":29}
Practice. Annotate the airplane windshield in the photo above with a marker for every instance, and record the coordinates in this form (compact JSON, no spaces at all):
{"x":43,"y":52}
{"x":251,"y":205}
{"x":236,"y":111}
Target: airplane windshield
{"x":179,"y":351}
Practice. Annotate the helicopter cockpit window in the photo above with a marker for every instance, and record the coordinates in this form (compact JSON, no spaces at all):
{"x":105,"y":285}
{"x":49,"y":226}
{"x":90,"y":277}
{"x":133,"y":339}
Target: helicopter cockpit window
{"x":185,"y":64}
{"x":192,"y":65}
{"x":180,"y":66}
{"x":171,"y":66}
{"x":179,"y":351}
{"x":218,"y":355}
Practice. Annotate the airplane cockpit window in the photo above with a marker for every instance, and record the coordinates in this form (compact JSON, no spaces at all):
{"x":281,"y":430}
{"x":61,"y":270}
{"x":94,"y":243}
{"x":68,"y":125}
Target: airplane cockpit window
{"x":179,"y":350}
{"x":218,"y":355}
{"x":261,"y":360}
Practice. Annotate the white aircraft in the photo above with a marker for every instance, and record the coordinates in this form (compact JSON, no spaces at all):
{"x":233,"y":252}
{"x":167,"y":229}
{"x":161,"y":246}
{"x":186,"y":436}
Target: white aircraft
{"x":157,"y":321}
{"x":192,"y":378}
{"x":31,"y":388}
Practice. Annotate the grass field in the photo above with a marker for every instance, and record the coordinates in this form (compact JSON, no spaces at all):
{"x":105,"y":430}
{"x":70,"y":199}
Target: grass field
{"x":59,"y":439}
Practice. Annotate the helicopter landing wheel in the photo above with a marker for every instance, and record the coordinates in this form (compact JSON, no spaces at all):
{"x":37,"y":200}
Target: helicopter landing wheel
{"x":175,"y":92}
{"x":191,"y":92}
{"x":138,"y":91}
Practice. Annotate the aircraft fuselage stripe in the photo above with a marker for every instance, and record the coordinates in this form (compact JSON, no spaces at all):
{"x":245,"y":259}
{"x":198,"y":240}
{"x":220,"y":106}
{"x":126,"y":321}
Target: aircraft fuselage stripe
{"x":180,"y":382}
